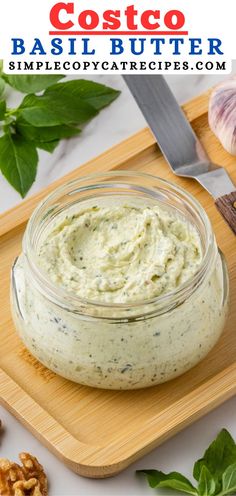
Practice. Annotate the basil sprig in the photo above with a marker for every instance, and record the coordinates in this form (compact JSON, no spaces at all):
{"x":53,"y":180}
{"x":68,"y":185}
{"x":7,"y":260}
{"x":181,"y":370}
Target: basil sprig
{"x":41,"y":121}
{"x":215,"y":472}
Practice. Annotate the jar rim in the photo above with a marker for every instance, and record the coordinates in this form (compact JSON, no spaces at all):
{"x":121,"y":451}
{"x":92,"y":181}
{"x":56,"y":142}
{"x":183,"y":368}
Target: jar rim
{"x":60,"y":295}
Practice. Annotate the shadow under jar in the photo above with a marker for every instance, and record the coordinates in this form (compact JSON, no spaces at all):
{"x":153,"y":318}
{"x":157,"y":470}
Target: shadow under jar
{"x":110,"y":345}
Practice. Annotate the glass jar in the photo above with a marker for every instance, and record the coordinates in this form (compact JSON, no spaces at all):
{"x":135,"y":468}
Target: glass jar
{"x":119,"y":346}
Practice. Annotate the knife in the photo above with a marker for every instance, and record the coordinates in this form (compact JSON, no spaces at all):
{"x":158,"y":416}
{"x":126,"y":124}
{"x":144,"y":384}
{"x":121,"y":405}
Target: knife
{"x":179,"y":144}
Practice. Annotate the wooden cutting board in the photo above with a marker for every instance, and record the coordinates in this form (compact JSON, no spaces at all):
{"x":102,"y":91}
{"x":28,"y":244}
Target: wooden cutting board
{"x":98,"y":433}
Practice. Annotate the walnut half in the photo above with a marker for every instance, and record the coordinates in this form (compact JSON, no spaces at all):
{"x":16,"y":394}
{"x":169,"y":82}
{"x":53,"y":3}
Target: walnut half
{"x":28,"y":479}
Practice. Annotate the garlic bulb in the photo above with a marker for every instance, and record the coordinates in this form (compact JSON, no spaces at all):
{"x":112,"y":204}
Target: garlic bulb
{"x":222,"y":114}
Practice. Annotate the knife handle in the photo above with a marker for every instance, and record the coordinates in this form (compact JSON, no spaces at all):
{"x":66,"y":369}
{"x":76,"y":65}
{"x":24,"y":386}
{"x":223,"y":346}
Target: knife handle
{"x":227,"y":207}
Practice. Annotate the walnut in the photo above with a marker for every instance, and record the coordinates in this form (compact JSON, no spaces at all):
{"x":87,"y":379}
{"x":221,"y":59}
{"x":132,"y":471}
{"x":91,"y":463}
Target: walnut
{"x":27,"y":479}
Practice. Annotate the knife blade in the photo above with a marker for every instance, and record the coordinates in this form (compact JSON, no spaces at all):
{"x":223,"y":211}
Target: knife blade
{"x":178,"y":142}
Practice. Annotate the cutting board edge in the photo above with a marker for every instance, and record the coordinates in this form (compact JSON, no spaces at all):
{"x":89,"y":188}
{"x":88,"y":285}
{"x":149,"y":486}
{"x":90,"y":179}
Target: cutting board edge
{"x":85,"y":458}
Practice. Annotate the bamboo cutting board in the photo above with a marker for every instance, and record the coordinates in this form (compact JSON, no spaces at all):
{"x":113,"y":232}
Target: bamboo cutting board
{"x":98,"y":433}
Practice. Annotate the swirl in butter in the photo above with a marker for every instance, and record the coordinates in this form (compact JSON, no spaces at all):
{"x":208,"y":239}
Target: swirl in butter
{"x":121,"y":254}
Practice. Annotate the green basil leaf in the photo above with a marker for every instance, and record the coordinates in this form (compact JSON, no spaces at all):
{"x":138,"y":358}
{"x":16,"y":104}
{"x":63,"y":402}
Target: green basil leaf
{"x":229,"y":480}
{"x":206,"y":484}
{"x":53,"y":110}
{"x":97,"y":95}
{"x":173,"y":480}
{"x":18,"y":162}
{"x":44,"y":134}
{"x":2,"y":86}
{"x":2,"y":109}
{"x":31,"y":83}
{"x":47,"y":146}
{"x":220,"y":454}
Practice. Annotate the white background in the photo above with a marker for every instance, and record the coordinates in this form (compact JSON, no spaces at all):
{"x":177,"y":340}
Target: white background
{"x":27,"y":19}
{"x":115,"y":123}
{"x":210,"y":18}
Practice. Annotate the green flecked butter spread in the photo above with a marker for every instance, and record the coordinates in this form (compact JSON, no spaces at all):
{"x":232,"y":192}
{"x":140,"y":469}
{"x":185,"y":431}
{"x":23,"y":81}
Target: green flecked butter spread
{"x":121,"y":253}
{"x":119,"y":250}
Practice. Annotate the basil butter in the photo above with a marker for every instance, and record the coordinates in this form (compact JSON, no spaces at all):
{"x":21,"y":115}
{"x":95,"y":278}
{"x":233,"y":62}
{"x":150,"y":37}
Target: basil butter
{"x":121,"y":253}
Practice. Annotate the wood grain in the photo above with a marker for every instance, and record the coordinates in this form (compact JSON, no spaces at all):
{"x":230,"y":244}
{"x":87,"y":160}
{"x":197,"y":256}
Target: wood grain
{"x":98,"y":433}
{"x":227,"y":207}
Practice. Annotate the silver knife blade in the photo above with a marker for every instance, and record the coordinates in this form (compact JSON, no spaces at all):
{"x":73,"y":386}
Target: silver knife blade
{"x":176,"y":138}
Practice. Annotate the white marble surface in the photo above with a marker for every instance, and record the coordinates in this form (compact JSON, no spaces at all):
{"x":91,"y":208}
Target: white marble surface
{"x":115,"y":123}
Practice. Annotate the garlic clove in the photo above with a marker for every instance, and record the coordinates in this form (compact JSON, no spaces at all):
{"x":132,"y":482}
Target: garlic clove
{"x":222,"y":114}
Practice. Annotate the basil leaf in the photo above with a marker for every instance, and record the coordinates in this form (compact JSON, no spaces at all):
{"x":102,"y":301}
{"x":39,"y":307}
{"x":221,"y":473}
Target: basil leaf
{"x":72,"y":102}
{"x":31,"y":83}
{"x":2,"y":86}
{"x":215,"y":472}
{"x":220,"y":454}
{"x":229,"y":480}
{"x":206,"y":485}
{"x":53,"y":110}
{"x":2,"y":109}
{"x":97,"y":95}
{"x":41,"y":121}
{"x":173,"y":480}
{"x":47,"y":146}
{"x":18,"y":162}
{"x":44,"y":134}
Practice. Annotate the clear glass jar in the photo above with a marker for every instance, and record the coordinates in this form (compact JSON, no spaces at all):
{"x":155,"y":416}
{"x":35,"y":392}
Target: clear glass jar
{"x":119,"y":346}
